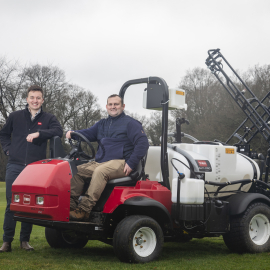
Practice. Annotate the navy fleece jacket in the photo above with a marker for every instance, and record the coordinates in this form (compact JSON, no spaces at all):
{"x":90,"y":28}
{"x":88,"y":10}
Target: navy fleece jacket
{"x":120,"y":137}
{"x":18,"y":126}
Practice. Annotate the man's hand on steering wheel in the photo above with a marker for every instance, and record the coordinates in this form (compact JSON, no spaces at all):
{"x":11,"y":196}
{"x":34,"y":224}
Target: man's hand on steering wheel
{"x":76,"y":150}
{"x":68,"y":134}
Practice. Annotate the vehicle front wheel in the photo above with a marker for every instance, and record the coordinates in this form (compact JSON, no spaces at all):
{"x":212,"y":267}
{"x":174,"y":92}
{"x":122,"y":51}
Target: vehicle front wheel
{"x":65,"y":238}
{"x":138,"y":239}
{"x":250,"y":231}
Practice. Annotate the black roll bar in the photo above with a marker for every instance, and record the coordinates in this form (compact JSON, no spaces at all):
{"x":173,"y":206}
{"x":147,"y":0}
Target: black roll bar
{"x":165,"y":106}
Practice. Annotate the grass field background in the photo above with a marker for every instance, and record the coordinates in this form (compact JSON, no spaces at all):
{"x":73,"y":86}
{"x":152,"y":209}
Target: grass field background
{"x":207,"y":253}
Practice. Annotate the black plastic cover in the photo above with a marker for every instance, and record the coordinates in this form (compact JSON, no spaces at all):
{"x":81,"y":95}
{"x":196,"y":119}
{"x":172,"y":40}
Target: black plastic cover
{"x":188,"y":212}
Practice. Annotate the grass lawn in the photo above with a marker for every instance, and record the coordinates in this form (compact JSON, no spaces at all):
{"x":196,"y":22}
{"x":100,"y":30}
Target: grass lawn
{"x":197,"y":254}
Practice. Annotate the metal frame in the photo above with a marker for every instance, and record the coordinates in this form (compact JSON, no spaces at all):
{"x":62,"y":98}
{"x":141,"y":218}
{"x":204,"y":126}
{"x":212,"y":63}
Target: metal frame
{"x":249,"y":106}
{"x":164,"y":104}
{"x":214,"y":63}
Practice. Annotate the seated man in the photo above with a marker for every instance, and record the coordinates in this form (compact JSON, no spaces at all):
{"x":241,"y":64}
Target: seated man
{"x":122,"y":144}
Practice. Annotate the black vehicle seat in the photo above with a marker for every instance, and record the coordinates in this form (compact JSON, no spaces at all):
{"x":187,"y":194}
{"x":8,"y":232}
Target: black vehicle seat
{"x":56,"y":148}
{"x":133,"y":177}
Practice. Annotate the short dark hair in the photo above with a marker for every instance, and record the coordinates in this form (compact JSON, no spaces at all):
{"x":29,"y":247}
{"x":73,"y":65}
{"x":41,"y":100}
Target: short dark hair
{"x":35,"y":88}
{"x":115,"y":95}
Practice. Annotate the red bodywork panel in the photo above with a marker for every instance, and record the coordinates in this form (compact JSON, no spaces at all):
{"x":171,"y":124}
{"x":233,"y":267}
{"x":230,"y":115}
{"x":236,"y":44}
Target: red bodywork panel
{"x":49,"y":179}
{"x":149,"y":189}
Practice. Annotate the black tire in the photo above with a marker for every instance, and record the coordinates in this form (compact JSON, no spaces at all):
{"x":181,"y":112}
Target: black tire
{"x":64,"y":239}
{"x":249,"y":232}
{"x":138,"y":239}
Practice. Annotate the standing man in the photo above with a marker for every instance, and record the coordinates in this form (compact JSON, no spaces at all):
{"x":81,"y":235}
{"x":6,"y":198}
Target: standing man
{"x":122,"y":144}
{"x":30,"y":129}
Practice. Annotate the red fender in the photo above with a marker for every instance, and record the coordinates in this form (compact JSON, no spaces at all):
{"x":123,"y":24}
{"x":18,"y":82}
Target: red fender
{"x":149,"y":189}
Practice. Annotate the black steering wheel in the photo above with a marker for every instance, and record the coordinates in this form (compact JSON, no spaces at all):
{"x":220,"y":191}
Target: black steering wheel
{"x":76,"y":149}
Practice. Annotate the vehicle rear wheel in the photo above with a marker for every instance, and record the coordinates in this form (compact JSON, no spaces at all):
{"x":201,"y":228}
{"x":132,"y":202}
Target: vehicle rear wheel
{"x":250,"y":231}
{"x":138,"y":239}
{"x":65,"y":239}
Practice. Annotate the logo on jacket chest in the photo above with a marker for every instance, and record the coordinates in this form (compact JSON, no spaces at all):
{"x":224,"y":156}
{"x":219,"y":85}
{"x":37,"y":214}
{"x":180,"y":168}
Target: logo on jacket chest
{"x":39,"y":123}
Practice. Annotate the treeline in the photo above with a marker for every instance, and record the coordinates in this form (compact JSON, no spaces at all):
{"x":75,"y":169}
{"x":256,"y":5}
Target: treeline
{"x":212,"y":113}
{"x":74,"y":106}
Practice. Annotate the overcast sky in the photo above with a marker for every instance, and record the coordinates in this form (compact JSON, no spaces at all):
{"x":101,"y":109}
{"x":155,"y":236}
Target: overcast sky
{"x":100,"y":44}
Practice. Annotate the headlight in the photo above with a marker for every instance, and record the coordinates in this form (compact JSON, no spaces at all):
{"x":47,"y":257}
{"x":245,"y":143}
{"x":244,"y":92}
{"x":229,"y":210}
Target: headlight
{"x":40,"y":200}
{"x":16,"y":198}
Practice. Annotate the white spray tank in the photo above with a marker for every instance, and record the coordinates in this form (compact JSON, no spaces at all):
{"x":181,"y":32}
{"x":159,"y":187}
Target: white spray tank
{"x":191,"y":190}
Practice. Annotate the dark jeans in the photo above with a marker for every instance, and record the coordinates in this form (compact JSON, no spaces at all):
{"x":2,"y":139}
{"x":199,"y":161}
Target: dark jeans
{"x":12,"y":171}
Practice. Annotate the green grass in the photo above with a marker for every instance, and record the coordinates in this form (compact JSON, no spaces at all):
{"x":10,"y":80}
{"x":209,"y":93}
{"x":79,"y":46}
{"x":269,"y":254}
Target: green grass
{"x":208,"y":253}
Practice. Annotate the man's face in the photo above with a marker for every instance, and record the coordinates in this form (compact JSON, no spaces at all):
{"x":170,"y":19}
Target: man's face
{"x":34,"y":100}
{"x":114,"y":106}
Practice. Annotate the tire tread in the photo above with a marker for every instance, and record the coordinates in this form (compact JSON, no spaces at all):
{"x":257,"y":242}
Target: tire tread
{"x":238,"y":239}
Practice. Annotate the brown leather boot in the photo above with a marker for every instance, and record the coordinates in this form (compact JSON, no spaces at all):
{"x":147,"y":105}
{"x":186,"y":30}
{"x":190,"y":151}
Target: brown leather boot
{"x":78,"y":215}
{"x":25,"y":245}
{"x":6,"y":247}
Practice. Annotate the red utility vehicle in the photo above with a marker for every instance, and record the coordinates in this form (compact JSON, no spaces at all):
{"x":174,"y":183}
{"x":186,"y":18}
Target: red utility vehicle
{"x":179,"y":191}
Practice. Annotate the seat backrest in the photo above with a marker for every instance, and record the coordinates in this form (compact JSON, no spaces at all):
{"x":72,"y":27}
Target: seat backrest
{"x":56,"y":148}
{"x":140,"y":170}
{"x":134,"y":176}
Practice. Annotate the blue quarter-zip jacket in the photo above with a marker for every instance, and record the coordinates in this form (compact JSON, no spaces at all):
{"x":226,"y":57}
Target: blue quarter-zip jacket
{"x":120,"y":137}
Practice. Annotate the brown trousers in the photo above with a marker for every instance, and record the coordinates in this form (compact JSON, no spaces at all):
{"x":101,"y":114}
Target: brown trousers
{"x":98,"y":174}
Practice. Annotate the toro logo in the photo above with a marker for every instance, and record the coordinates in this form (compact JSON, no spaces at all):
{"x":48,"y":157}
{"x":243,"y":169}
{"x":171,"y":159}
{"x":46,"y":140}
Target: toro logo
{"x":26,"y":199}
{"x":39,"y":123}
{"x":204,"y":165}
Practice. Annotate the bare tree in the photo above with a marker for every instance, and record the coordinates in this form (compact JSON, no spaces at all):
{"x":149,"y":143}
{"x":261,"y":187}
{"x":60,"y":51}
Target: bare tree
{"x":51,"y":79}
{"x":11,"y":88}
{"x":74,"y":107}
{"x":82,"y":109}
{"x":211,"y":111}
{"x":258,"y":79}
{"x":141,"y":118}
